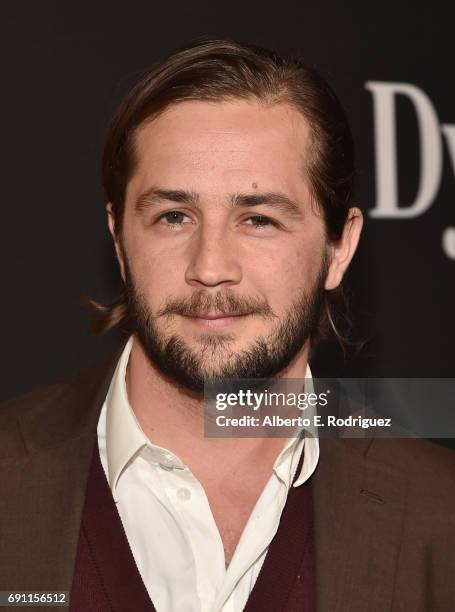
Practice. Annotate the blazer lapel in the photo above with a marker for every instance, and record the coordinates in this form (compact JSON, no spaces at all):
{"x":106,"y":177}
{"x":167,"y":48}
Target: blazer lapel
{"x":358,"y":513}
{"x":44,"y":482}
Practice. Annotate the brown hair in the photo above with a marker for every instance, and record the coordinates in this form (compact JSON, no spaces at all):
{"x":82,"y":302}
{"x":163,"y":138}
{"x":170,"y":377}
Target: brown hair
{"x":217,"y":70}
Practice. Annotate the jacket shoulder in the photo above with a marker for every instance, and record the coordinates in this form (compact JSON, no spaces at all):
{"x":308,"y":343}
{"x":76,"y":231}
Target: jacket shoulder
{"x":55,"y":411}
{"x":21,"y":404}
{"x":12,"y":411}
{"x":50,"y":393}
{"x":415,"y":456}
{"x":429,"y":469}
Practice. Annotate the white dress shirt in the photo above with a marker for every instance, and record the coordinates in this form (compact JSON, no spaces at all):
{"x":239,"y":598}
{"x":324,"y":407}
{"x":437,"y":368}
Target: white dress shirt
{"x":167,"y":517}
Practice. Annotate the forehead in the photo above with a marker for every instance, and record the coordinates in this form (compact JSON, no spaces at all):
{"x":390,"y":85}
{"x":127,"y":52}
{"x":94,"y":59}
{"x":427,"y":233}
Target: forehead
{"x":209,"y":145}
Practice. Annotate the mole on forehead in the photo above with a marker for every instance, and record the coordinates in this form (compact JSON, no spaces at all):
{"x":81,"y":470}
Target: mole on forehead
{"x":254,"y":185}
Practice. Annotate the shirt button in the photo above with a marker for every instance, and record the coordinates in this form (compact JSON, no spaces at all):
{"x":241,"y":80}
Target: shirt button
{"x":183,"y":494}
{"x":167,"y":462}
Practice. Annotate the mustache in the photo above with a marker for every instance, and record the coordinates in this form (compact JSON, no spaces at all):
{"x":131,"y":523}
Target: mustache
{"x":226,"y":302}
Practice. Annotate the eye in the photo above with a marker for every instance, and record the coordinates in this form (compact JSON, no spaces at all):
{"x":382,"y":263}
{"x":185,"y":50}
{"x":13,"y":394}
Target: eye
{"x":259,"y":221}
{"x":172,"y":218}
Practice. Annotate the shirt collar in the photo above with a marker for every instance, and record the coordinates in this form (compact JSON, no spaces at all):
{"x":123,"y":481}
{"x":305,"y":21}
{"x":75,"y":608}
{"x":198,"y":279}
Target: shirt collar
{"x":125,"y":438}
{"x":304,"y":442}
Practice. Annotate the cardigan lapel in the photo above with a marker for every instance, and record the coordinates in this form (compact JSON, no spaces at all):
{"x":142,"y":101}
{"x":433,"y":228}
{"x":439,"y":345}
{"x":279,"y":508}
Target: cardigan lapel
{"x":44,"y":482}
{"x":102,"y":539}
{"x":358,"y":514}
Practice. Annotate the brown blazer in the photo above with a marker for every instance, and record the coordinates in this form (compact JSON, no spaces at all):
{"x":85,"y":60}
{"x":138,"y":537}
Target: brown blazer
{"x":384,"y":509}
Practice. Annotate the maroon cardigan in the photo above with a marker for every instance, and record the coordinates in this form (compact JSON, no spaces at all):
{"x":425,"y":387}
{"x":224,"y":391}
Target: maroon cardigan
{"x":106,"y":576}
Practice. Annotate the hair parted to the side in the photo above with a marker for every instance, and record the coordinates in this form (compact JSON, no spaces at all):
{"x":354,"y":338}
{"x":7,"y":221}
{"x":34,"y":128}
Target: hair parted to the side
{"x":218,"y":70}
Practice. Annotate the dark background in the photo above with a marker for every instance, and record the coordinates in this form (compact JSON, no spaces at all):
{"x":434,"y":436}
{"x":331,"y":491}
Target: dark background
{"x":65,"y":66}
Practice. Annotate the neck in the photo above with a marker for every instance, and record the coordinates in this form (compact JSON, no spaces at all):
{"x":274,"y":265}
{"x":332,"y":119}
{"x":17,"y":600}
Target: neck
{"x":174,"y":419}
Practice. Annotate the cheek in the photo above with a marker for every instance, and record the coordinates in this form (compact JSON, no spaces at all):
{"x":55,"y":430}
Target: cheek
{"x":157,"y":275}
{"x":283,"y":273}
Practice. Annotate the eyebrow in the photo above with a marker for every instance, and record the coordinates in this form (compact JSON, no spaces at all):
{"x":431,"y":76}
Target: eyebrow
{"x":157,"y":195}
{"x":273,"y":200}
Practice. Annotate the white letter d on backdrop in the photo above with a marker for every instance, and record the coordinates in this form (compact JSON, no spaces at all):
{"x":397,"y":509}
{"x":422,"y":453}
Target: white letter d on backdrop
{"x":385,"y":134}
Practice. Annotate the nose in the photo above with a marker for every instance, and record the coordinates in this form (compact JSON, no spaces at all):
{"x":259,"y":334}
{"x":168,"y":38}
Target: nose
{"x":214,"y":260}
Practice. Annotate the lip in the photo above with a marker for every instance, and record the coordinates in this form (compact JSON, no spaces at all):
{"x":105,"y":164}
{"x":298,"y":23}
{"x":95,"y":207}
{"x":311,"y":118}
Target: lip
{"x":217,"y":321}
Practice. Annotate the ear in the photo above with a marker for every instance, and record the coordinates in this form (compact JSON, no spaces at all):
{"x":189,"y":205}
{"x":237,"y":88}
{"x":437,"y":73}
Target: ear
{"x":343,"y":251}
{"x":115,"y":238}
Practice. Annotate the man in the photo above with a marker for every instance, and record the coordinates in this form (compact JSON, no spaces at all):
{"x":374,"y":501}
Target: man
{"x":229,"y":176}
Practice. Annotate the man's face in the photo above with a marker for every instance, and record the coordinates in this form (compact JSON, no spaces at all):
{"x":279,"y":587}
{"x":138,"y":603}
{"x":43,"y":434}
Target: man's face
{"x":223,"y":252}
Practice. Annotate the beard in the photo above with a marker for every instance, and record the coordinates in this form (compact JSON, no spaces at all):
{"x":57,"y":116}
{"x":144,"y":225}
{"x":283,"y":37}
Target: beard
{"x":211,"y":358}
